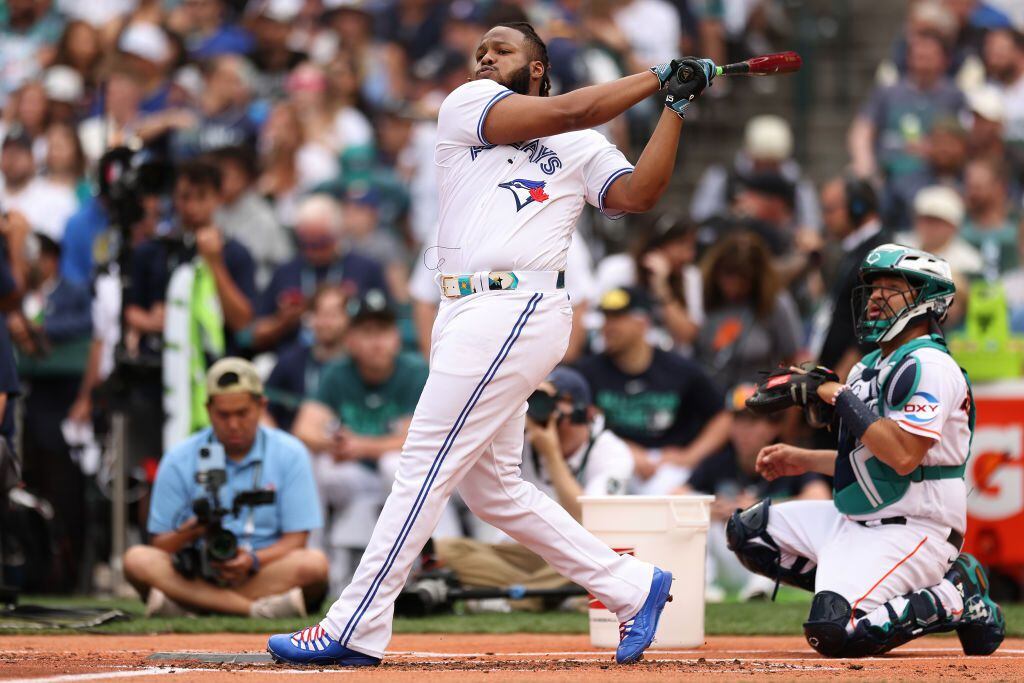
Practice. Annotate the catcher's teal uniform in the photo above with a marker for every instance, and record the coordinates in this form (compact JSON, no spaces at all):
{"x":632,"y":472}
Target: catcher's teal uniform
{"x":882,"y":558}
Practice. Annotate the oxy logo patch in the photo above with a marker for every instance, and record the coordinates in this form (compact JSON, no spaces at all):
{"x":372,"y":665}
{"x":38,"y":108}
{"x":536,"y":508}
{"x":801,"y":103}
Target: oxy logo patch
{"x":921,"y":409}
{"x":526,"y":191}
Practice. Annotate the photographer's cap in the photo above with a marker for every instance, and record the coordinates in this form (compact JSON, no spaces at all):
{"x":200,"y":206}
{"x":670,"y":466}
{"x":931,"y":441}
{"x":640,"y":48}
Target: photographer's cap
{"x":570,"y":384}
{"x":233,"y":376}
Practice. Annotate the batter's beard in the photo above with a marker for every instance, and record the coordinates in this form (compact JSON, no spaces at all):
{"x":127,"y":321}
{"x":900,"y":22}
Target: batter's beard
{"x":519,"y":81}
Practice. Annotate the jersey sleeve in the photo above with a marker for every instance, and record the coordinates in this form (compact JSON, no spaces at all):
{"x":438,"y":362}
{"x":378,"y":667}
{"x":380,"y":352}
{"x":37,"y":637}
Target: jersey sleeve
{"x":605,"y":165}
{"x":924,"y":394}
{"x":460,"y":122}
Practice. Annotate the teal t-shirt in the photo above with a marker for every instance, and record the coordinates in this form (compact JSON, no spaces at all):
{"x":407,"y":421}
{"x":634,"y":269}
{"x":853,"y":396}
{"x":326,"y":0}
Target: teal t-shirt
{"x":998,"y":247}
{"x":372,"y":410}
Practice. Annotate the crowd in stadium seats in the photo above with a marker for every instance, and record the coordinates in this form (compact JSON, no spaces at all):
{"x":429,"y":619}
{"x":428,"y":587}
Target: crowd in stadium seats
{"x":184,"y":180}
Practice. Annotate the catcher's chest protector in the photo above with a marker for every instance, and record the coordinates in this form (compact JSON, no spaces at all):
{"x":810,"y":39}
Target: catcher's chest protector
{"x":864,"y":484}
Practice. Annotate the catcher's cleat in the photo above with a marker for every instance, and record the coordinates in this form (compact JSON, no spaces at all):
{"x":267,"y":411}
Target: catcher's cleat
{"x":637,"y":634}
{"x":981,"y":628}
{"x":313,"y":645}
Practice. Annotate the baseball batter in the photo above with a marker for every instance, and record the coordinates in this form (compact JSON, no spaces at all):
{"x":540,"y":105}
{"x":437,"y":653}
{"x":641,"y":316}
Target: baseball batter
{"x":514,"y":169}
{"x":883,"y":558}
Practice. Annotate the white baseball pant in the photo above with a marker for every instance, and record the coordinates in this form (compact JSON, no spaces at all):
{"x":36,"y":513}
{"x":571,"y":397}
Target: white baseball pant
{"x":489,"y":352}
{"x":866,"y":565}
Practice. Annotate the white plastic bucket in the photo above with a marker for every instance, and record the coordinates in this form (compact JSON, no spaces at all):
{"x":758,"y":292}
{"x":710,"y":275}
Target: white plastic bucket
{"x":669,"y":532}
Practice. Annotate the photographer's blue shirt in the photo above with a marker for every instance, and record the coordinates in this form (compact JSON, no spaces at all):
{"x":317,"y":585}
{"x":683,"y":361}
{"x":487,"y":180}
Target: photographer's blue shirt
{"x":285,"y":468}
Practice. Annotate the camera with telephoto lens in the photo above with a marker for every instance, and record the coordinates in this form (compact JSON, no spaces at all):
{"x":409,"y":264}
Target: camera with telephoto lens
{"x":217,"y":544}
{"x":540,"y":406}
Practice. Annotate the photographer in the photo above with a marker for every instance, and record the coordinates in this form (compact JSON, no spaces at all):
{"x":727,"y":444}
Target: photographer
{"x":189,"y":565}
{"x":568,"y":454}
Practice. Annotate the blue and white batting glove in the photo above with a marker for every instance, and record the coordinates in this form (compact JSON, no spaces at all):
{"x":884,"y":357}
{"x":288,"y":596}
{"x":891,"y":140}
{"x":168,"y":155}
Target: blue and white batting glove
{"x":699,"y":74}
{"x":665,"y":72}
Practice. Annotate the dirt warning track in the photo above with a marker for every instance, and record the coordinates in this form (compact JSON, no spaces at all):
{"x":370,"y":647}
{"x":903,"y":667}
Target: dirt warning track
{"x":514,"y":657}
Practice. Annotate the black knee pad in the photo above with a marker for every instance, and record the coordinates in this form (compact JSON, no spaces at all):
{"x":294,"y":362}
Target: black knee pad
{"x":747,"y":535}
{"x":825,"y":628}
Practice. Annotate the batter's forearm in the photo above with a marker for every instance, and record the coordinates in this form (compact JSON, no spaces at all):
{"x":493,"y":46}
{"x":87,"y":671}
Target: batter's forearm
{"x":598,"y":104}
{"x":653,"y":171}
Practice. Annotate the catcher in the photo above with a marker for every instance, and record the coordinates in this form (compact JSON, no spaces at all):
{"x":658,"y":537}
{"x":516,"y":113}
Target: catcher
{"x":883,"y":558}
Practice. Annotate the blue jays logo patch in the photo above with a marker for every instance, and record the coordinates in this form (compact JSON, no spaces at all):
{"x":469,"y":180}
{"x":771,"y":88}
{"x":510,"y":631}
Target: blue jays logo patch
{"x":526,"y":191}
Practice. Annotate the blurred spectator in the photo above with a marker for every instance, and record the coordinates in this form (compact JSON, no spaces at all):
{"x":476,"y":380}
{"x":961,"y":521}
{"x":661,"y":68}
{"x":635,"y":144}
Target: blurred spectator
{"x":1004,"y":60}
{"x":292,"y":164}
{"x":938,"y":217}
{"x":663,"y":405}
{"x":14,"y":232}
{"x":148,"y":53}
{"x":357,"y":419}
{"x":28,"y":33}
{"x":849,"y":207}
{"x":750,"y":321}
{"x":664,"y":268}
{"x":297,"y":372}
{"x":991,"y":226}
{"x":365,"y":235}
{"x":274,"y":54}
{"x":320,"y":260}
{"x":944,"y":154}
{"x":887,"y":134}
{"x":1013,"y":288}
{"x":52,"y":333}
{"x":651,"y":29}
{"x":273,"y":574}
{"x":246,"y":216}
{"x":569,"y":455}
{"x":729,"y":475}
{"x":45,"y":204}
{"x":988,"y":119}
{"x":767,"y":148}
{"x":413,"y":25}
{"x":191,"y":296}
{"x":65,"y":161}
{"x":222,"y":118}
{"x":763,"y":203}
{"x":119,"y":121}
{"x":976,"y":18}
{"x":32,"y":115}
{"x":81,"y":50}
{"x":65,"y":94}
{"x":208,"y":32}
{"x":343,"y":103}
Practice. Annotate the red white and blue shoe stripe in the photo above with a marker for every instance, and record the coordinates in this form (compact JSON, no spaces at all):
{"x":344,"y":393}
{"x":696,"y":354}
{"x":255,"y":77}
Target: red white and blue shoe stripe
{"x":313,"y":645}
{"x":637,"y":634}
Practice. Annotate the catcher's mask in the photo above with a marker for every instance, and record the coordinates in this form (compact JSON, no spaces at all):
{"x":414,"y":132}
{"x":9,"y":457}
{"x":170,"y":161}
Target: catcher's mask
{"x":882,"y":312}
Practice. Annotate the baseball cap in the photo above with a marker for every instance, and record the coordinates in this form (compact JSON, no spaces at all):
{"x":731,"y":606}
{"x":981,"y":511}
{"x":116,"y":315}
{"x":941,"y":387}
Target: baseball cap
{"x":771,"y":184}
{"x":940,"y":202}
{"x":987,"y":102}
{"x":768,"y":137}
{"x":63,"y":84}
{"x":372,"y":306}
{"x":571,"y":384}
{"x":625,"y":300}
{"x":146,"y":41}
{"x":281,"y":11}
{"x":233,"y":375}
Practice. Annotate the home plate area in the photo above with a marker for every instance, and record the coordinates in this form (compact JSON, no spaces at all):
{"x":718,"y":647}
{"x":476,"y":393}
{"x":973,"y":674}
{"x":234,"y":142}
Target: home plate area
{"x":511,"y":657}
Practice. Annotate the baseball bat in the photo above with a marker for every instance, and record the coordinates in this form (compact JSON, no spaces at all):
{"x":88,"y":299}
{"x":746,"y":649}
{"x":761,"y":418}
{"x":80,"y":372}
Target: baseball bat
{"x":763,"y":65}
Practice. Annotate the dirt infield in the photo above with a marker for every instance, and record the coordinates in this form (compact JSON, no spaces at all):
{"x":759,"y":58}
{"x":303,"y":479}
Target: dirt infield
{"x":518,"y":657}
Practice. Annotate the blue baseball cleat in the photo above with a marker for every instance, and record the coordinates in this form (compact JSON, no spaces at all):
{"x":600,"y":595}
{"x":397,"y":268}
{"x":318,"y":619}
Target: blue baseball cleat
{"x":637,"y":634}
{"x":312,"y":645}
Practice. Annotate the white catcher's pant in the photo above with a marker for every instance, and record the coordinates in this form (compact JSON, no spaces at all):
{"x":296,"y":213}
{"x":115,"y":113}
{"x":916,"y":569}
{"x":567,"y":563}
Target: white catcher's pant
{"x":489,"y":352}
{"x":866,"y":565}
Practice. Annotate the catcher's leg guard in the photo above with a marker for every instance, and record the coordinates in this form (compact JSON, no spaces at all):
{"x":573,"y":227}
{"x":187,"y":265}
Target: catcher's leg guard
{"x":982,"y":626}
{"x":748,"y":537}
{"x":830,"y":629}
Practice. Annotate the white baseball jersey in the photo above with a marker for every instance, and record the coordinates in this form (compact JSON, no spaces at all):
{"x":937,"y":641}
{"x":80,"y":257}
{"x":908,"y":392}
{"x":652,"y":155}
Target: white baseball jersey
{"x":938,"y":410}
{"x":513,"y":207}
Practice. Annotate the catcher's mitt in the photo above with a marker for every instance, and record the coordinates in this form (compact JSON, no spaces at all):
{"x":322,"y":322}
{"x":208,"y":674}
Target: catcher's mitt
{"x":783,"y":388}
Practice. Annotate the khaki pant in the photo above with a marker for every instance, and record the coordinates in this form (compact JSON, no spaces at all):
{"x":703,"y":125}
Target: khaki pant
{"x":499,"y":565}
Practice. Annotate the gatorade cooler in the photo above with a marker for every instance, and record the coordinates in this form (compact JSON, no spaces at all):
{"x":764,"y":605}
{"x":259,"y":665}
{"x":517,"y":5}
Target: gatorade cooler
{"x":669,"y":532}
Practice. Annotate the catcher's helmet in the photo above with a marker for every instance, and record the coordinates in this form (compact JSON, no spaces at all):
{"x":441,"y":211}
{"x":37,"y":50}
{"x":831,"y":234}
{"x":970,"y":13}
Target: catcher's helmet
{"x":931,"y":293}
